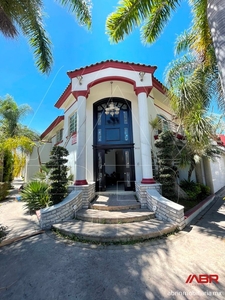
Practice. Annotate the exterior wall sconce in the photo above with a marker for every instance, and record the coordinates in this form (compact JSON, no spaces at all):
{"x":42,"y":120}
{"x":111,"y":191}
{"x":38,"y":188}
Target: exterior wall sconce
{"x":112,"y":109}
{"x":79,"y":78}
{"x":142,"y":74}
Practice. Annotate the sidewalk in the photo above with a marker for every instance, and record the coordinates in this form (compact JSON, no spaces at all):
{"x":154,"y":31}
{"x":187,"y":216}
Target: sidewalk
{"x":13,"y":216}
{"x":49,"y":267}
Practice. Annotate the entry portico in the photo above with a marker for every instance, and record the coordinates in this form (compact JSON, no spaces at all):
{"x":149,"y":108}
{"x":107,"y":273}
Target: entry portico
{"x":128,"y":87}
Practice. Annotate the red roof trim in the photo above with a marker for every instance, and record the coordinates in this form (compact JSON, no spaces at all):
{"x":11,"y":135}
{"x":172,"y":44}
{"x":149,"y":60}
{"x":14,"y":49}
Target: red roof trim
{"x":143,"y":89}
{"x":64,"y":96}
{"x":112,"y":64}
{"x":158,"y":85}
{"x":52,"y":125}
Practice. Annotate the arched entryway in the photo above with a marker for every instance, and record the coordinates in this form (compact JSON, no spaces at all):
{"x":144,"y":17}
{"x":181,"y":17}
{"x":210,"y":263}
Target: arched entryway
{"x":113,"y":146}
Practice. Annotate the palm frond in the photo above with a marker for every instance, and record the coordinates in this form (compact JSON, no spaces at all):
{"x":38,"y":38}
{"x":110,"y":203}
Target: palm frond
{"x":7,"y":27}
{"x":156,"y":21}
{"x":32,"y":26}
{"x":126,"y":17}
{"x":81,"y":8}
{"x":184,"y":41}
{"x":200,"y":27}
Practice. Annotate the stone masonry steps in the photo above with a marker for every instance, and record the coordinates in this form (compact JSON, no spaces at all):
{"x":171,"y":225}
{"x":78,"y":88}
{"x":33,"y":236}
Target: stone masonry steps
{"x":114,"y":217}
{"x":115,"y":203}
{"x":125,"y":232}
{"x":105,"y":207}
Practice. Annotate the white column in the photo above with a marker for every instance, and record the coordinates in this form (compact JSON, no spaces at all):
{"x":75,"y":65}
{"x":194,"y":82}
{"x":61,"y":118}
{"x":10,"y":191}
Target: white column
{"x":81,"y":142}
{"x":146,"y":156}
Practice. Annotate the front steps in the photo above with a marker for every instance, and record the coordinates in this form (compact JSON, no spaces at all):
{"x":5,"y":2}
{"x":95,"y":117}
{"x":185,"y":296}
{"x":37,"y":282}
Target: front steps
{"x":115,"y":219}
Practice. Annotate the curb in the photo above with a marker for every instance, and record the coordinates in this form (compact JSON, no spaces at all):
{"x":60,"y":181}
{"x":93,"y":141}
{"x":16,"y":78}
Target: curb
{"x":193,"y":212}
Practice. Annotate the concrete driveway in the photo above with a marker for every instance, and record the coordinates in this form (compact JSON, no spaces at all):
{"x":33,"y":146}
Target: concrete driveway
{"x":48,"y":267}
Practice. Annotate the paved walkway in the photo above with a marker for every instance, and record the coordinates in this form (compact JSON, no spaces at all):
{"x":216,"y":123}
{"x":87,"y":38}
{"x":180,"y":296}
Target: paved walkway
{"x":48,"y":267}
{"x":13,"y":215}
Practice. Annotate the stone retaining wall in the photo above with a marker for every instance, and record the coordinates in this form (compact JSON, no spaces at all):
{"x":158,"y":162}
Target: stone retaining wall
{"x":142,"y":194}
{"x":88,"y":193}
{"x":62,"y":211}
{"x":165,"y":209}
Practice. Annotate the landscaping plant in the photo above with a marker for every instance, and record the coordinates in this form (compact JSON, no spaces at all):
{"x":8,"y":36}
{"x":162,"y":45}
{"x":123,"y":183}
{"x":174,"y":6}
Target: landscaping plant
{"x":35,"y":195}
{"x":166,"y":171}
{"x":58,"y":175}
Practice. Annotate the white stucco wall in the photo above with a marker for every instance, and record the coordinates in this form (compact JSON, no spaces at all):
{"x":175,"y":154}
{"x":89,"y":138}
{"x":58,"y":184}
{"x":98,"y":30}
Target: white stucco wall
{"x":32,"y":163}
{"x":215,"y":173}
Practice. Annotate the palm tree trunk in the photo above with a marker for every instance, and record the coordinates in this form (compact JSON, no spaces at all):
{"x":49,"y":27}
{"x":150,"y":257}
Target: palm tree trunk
{"x":216,"y":19}
{"x":191,"y":169}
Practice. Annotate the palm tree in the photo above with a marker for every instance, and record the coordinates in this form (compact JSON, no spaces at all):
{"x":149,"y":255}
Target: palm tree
{"x":11,"y":114}
{"x":155,"y":14}
{"x":14,"y":135}
{"x":27,"y":16}
{"x":190,"y":90}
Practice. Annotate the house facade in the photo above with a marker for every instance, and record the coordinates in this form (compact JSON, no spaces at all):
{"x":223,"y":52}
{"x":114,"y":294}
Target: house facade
{"x":105,"y":125}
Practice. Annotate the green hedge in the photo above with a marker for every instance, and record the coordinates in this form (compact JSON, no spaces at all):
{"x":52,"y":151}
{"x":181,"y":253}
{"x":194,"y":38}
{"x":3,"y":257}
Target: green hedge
{"x":195,"y":191}
{"x":4,"y":187}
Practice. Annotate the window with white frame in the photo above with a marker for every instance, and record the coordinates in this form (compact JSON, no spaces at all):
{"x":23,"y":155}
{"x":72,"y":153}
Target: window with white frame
{"x":59,"y":136}
{"x":73,"y":123}
{"x":163,"y":123}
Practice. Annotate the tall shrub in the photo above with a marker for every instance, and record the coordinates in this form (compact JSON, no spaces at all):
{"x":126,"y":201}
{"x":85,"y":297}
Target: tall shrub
{"x":58,"y":175}
{"x":8,"y":166}
{"x":166,"y":170}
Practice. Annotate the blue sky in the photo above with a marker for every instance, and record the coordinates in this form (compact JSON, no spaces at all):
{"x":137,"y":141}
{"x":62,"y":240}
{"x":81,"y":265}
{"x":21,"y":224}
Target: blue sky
{"x":75,"y":47}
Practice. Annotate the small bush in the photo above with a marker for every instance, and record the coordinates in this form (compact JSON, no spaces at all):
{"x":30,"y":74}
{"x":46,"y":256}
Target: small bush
{"x":2,"y":232}
{"x":36,"y":195}
{"x":4,"y":187}
{"x":205,"y":191}
{"x":195,"y":191}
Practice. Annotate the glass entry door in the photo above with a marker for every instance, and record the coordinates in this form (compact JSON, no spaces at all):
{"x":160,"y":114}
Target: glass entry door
{"x":101,"y":182}
{"x":128,"y":170}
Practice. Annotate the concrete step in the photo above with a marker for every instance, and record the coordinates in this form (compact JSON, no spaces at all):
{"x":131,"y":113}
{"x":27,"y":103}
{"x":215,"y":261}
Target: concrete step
{"x":116,"y":207}
{"x":115,"y":202}
{"x":114,"y":217}
{"x":126,"y":232}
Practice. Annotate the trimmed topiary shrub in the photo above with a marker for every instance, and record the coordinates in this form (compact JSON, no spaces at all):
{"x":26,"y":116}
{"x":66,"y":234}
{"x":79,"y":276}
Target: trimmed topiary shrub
{"x":58,"y":174}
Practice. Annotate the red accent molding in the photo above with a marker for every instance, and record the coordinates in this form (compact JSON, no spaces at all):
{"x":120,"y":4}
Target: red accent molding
{"x":112,"y":64}
{"x":84,"y":93}
{"x":52,"y":125}
{"x":81,"y":182}
{"x":64,"y":96}
{"x":158,"y":85}
{"x":111,"y":78}
{"x":148,"y":181}
{"x":143,"y":89}
{"x":199,"y":205}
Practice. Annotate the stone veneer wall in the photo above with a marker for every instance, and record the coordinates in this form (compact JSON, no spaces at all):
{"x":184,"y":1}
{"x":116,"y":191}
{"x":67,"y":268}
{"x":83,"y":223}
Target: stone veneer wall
{"x":142,"y":194}
{"x":88,"y":193}
{"x":165,"y":209}
{"x":62,"y":211}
